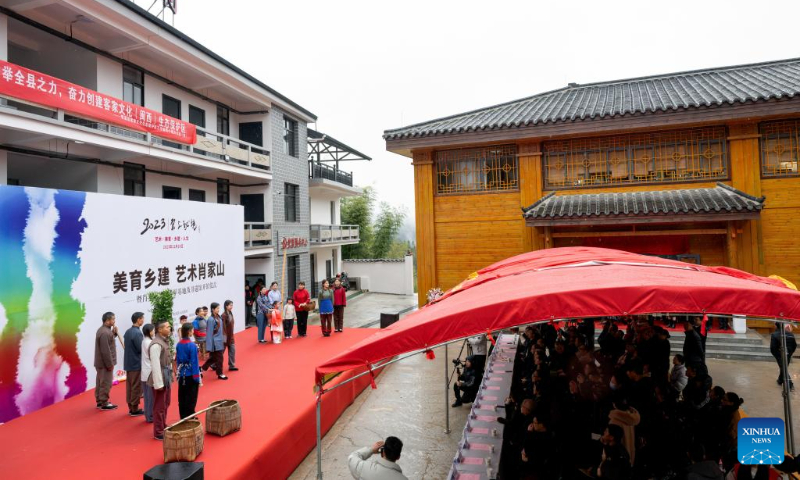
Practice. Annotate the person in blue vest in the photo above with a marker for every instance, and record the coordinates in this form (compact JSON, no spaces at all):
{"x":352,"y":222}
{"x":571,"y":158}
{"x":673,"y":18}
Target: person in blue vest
{"x":188,"y":375}
{"x":215,"y":344}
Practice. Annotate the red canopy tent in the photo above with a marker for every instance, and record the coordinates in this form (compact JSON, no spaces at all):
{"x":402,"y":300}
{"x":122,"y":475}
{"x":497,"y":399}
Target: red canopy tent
{"x":571,"y":282}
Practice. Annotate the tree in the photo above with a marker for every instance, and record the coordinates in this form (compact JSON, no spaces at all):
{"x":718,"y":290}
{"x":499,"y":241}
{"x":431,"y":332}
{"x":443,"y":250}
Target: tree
{"x":358,"y":211}
{"x":399,"y":249}
{"x":387,"y":225}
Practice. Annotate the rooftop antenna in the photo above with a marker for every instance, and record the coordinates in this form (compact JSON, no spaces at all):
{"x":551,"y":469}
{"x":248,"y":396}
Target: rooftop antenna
{"x":171,"y":5}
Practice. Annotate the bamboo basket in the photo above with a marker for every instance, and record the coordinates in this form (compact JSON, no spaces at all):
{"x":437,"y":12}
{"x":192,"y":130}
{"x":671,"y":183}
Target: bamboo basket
{"x":183,"y":442}
{"x":224,"y":418}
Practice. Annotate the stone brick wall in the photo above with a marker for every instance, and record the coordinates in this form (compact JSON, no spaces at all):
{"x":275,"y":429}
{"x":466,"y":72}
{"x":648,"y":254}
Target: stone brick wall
{"x":294,"y":170}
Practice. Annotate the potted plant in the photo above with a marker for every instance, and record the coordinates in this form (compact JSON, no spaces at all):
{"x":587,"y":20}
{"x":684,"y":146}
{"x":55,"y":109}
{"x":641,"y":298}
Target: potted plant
{"x":162,"y":303}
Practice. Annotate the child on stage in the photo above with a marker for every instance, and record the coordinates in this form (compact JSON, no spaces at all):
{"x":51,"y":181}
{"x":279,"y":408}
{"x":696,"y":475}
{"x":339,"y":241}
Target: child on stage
{"x":188,"y":371}
{"x":289,"y":315}
{"x":276,"y":323}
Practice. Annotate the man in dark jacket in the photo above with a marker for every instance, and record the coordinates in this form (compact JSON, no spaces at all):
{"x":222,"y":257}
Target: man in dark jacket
{"x":133,"y":364}
{"x":466,"y":387}
{"x":105,"y":357}
{"x":616,"y":464}
{"x":516,"y":429}
{"x":659,"y":366}
{"x":702,"y":469}
{"x":610,"y":340}
{"x":775,"y":347}
{"x":693,"y":351}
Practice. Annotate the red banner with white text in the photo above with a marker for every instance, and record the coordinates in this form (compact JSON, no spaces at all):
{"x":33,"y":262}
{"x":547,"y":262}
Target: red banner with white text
{"x":32,"y":86}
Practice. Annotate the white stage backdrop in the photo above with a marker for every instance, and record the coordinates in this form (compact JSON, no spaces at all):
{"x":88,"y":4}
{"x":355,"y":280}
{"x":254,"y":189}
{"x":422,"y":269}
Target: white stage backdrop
{"x":71,"y":256}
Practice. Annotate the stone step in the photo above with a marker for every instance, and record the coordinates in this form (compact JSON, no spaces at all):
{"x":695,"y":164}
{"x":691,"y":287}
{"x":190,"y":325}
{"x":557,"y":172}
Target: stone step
{"x":717,"y":346}
{"x":740,"y":355}
{"x":749,"y":338}
{"x":733,"y":352}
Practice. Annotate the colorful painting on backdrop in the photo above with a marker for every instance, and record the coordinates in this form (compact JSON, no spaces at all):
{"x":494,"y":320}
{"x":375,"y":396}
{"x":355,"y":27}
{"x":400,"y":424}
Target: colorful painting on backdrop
{"x":67,"y":257}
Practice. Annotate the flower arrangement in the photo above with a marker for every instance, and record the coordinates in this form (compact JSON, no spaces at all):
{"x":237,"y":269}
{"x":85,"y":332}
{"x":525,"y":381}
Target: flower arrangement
{"x":434,"y":294}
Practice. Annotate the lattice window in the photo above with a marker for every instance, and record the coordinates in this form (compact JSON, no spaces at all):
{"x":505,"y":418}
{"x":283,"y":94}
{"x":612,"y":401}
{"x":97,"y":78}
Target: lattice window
{"x":675,"y":156}
{"x":780,"y":148}
{"x":472,"y":170}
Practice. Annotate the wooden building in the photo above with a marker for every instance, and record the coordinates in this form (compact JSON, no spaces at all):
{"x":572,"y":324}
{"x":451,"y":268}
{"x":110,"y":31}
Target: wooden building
{"x":699,"y":166}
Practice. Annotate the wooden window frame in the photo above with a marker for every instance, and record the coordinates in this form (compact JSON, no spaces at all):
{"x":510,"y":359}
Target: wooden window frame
{"x":650,"y":158}
{"x":481,"y":170}
{"x":779,"y":148}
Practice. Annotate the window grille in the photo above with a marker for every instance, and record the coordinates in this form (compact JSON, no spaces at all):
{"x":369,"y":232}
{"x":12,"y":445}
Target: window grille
{"x":289,"y":136}
{"x":659,"y":157}
{"x":291,"y":202}
{"x":780,"y":148}
{"x":477,"y":170}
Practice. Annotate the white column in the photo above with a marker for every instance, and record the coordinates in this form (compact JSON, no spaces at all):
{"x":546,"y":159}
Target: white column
{"x":3,"y":37}
{"x":739,"y":324}
{"x":3,"y":166}
{"x":408,"y":283}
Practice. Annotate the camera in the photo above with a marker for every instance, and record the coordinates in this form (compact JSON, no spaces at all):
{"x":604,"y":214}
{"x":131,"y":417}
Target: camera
{"x":457,"y":362}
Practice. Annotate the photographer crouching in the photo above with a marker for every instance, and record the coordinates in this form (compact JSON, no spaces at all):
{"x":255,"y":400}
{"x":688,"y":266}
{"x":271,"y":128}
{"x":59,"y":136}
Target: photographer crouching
{"x":466,"y":387}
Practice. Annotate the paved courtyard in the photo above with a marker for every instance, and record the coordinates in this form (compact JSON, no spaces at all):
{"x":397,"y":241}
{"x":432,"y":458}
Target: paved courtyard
{"x":409,"y":404}
{"x":365,"y":310}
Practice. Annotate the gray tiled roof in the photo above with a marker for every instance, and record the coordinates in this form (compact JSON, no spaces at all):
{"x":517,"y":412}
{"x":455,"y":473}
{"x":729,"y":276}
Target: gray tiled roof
{"x":721,"y":199}
{"x":675,"y":91}
{"x":374,"y":260}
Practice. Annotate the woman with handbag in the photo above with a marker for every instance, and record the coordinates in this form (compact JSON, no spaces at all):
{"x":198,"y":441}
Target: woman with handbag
{"x":263,"y":306}
{"x":303,"y":304}
{"x":326,"y":308}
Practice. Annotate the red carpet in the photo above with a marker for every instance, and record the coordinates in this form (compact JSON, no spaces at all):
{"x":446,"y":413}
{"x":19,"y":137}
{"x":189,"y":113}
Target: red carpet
{"x":72,"y":439}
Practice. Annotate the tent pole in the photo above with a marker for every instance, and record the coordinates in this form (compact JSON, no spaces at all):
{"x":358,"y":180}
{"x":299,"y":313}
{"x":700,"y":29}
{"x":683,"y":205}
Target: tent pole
{"x":319,"y":437}
{"x":446,"y":393}
{"x":787,"y":402}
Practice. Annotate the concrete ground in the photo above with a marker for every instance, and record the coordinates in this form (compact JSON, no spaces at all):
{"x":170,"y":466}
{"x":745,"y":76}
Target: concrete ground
{"x":365,"y":310}
{"x":755,"y":383}
{"x":409,"y":404}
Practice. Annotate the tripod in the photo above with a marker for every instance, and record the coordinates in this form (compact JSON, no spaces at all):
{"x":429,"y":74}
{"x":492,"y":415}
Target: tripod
{"x":457,"y":361}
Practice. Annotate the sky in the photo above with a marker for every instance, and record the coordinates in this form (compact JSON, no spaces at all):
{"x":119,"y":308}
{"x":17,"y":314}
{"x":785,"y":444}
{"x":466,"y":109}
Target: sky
{"x":366,"y":66}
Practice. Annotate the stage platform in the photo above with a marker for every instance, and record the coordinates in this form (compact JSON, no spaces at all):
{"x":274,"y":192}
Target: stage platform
{"x":274,"y":385}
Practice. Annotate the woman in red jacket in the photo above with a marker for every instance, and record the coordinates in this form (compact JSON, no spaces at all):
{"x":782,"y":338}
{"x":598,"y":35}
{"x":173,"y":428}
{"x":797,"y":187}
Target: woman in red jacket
{"x":301,"y":298}
{"x":339,"y":302}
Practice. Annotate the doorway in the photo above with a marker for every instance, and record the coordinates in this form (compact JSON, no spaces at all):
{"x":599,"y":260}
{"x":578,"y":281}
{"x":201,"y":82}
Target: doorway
{"x":313,"y":275}
{"x":253,"y":204}
{"x":292,"y":273}
{"x":252,"y":132}
{"x":328,"y":269}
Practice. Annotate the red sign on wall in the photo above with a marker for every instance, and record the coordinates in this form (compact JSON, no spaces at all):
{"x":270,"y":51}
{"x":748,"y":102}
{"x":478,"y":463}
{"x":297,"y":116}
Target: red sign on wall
{"x":293,"y":242}
{"x":31,"y":86}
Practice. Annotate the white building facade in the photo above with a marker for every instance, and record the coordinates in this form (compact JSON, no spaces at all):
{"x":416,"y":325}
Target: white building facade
{"x":251,"y":148}
{"x":328,"y":184}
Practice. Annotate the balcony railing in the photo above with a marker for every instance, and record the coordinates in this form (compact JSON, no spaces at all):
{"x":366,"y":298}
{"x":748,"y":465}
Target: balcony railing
{"x":326,"y":172}
{"x":334,"y":233}
{"x":221,"y":147}
{"x":257,"y":235}
{"x":209,"y":145}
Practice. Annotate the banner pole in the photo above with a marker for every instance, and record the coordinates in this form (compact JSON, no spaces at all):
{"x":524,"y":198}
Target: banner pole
{"x":787,"y":402}
{"x":319,"y":437}
{"x":283,"y":277}
{"x":446,"y":392}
